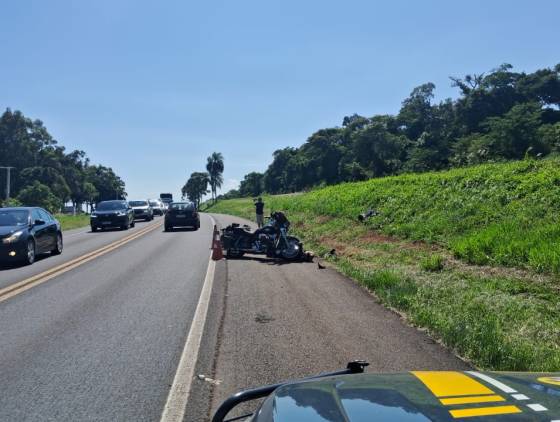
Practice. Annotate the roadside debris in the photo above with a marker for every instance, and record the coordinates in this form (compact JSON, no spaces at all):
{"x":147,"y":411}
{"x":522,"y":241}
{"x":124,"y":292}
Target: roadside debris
{"x":368,"y":214}
{"x":321,"y":267}
{"x":204,"y":378}
{"x":331,"y":254}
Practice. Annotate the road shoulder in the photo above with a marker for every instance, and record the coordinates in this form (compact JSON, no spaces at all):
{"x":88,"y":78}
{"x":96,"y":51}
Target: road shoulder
{"x":287,"y":320}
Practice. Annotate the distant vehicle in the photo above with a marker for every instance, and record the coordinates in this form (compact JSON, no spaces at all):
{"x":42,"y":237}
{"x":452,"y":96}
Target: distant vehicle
{"x":26,"y":232}
{"x":142,"y":210}
{"x":166,"y":198}
{"x":181,"y":214}
{"x":351,"y":395}
{"x":116,"y":213}
{"x":157,"y":206}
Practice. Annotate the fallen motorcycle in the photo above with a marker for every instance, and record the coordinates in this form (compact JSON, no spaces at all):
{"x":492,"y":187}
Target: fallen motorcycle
{"x":271,"y":240}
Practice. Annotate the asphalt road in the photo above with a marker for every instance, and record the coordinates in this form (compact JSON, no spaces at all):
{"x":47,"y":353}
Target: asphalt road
{"x":102,"y":341}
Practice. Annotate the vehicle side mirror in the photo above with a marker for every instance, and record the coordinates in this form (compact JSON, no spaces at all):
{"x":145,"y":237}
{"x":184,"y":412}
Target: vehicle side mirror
{"x":38,"y":222}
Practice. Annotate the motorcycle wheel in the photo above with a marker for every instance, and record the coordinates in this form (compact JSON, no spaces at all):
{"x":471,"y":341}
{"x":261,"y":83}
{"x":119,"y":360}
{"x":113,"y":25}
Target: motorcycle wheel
{"x":294,"y":249}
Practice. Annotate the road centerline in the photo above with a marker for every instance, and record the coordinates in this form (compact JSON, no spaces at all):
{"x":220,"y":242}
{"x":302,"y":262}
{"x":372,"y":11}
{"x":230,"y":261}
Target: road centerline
{"x":28,"y":283}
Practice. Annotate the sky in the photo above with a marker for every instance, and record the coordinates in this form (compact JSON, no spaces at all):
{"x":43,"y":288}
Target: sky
{"x":152,"y":88}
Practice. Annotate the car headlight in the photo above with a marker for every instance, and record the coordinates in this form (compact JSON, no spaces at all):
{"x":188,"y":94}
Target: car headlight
{"x":121,"y":213}
{"x":93,"y":216}
{"x":14,"y":237}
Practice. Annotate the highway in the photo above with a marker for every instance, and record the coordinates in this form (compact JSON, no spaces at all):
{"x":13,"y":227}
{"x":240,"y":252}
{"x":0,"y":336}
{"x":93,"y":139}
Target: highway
{"x":98,"y":333}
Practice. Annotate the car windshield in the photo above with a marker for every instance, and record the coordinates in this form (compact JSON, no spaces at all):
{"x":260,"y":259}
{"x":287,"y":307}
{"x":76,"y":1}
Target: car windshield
{"x":184,"y":206}
{"x":111,"y":206}
{"x":138,"y":203}
{"x":14,"y":217}
{"x":154,"y":204}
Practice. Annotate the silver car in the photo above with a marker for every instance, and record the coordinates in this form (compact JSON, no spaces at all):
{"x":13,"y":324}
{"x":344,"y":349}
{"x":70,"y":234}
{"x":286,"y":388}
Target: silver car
{"x":142,"y":210}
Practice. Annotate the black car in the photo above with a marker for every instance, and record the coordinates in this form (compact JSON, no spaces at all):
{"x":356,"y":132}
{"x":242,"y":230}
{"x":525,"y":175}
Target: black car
{"x":181,"y":214}
{"x":115,"y":213}
{"x":26,"y":232}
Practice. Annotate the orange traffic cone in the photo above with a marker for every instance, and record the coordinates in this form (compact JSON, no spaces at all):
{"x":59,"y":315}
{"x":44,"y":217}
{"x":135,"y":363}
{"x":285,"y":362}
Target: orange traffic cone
{"x":217,"y":252}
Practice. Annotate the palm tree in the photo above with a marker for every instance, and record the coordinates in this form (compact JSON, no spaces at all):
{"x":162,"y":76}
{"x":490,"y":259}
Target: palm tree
{"x":215,"y":168}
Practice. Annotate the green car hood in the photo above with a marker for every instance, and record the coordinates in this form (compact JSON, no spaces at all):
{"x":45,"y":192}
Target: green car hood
{"x":417,"y":396}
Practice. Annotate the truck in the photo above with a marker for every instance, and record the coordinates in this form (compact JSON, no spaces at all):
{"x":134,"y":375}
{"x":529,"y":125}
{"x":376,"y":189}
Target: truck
{"x":166,"y":198}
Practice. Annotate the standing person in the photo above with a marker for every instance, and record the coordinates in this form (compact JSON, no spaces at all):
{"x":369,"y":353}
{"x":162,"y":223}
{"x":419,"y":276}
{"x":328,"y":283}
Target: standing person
{"x":259,"y":210}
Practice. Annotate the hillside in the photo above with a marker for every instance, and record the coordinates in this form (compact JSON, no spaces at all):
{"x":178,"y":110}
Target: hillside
{"x":439,"y":249}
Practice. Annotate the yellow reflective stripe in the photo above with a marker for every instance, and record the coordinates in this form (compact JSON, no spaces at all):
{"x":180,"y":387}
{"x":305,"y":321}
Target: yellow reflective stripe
{"x":451,"y":383}
{"x":471,"y":399}
{"x":484,"y":411}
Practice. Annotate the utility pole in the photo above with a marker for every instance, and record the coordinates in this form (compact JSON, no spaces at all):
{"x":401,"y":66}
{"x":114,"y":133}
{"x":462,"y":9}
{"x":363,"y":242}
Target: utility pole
{"x":7,"y":180}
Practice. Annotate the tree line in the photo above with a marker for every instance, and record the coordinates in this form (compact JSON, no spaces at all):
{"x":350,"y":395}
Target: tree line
{"x":44,"y":173}
{"x":499,"y":115}
{"x":197,"y":184}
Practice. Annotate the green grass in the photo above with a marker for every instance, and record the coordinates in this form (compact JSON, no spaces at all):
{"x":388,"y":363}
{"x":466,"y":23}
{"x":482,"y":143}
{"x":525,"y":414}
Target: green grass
{"x":496,"y":215}
{"x":432,"y":263}
{"x":69,"y":222}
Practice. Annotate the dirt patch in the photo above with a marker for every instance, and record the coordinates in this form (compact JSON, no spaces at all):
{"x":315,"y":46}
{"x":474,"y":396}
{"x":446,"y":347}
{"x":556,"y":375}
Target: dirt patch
{"x":375,"y":237}
{"x":322,"y":219}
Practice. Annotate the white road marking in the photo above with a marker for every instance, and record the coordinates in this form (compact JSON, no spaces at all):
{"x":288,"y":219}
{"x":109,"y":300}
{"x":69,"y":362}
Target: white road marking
{"x":178,"y":397}
{"x":537,"y":407}
{"x":495,"y":383}
{"x":520,"y":397}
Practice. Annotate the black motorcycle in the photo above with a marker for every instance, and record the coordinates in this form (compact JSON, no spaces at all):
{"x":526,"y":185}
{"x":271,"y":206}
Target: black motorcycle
{"x":271,"y":240}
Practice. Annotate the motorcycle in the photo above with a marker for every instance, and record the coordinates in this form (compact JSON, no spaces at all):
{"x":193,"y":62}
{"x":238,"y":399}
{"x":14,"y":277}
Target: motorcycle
{"x":271,"y":240}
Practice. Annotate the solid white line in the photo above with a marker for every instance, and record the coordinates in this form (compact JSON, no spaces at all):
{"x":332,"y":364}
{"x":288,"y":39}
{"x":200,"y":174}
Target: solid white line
{"x":174,"y":410}
{"x":495,"y":383}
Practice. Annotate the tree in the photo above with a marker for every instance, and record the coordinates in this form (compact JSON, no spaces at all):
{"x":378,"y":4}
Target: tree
{"x":252,"y":184}
{"x":27,"y":146}
{"x":275,"y":178}
{"x":515,"y":133}
{"x":215,"y":168}
{"x":196,"y":187}
{"x":90,"y":194}
{"x":39,"y":195}
{"x":106,"y":182}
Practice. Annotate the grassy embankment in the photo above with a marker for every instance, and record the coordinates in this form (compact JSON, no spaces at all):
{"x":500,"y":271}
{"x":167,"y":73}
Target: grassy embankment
{"x":472,"y":255}
{"x":69,"y":222}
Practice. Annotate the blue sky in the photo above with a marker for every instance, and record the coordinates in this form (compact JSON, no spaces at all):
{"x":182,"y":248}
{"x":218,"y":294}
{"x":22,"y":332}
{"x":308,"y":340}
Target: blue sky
{"x":152,"y":88}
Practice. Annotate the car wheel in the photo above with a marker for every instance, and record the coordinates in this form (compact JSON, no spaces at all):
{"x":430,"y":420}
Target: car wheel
{"x":31,"y":251}
{"x":93,"y":228}
{"x":168,"y":228}
{"x":125,"y":226}
{"x":59,"y":245}
{"x":132,"y":224}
